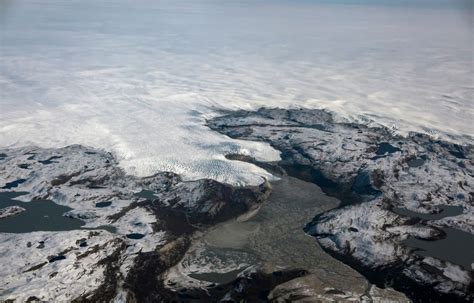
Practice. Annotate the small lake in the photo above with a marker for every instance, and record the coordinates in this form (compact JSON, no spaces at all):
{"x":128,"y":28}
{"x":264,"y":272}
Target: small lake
{"x":386,"y":148}
{"x":417,"y":162}
{"x":146,"y":194}
{"x":444,"y":211}
{"x":40,"y":215}
{"x":456,"y":247}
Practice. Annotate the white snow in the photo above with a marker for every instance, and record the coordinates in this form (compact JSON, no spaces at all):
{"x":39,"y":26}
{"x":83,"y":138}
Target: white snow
{"x":455,"y":273}
{"x":81,"y":272}
{"x":10,"y":211}
{"x":139,"y":78}
{"x":62,"y":280}
{"x":139,"y":220}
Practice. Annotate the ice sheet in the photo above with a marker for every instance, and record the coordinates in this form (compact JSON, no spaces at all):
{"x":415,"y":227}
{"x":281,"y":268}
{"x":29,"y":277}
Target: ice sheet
{"x":139,"y":78}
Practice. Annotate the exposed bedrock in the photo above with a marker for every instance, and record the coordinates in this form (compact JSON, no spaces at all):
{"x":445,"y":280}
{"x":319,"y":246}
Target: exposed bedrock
{"x":393,"y":190}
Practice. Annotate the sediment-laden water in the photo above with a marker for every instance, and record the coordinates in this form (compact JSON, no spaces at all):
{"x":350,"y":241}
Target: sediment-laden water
{"x":274,"y":239}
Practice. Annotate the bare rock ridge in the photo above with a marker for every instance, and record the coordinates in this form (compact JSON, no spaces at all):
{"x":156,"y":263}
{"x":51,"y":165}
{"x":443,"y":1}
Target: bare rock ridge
{"x":393,"y":190}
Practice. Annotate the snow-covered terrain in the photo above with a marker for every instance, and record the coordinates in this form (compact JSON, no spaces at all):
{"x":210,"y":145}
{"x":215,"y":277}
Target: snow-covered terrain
{"x":142,"y":241}
{"x":374,"y":172}
{"x":124,"y":223}
{"x":29,"y":270}
{"x":139,"y":78}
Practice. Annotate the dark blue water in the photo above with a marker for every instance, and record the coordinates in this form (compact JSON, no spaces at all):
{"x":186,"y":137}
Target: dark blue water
{"x":146,"y":194}
{"x":40,"y":215}
{"x":456,"y":246}
{"x":445,"y":211}
{"x":13,"y":184}
{"x":103,"y":204}
{"x":135,"y":236}
{"x":417,"y":162}
{"x":384,"y":148}
{"x":50,"y":160}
